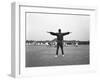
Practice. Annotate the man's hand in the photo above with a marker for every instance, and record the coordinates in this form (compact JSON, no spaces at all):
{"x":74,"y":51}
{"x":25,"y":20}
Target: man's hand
{"x":70,"y":32}
{"x":48,"y":32}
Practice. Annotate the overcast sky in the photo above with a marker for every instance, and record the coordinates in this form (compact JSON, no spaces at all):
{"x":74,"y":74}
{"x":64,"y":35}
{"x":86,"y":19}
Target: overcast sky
{"x":38,"y":24}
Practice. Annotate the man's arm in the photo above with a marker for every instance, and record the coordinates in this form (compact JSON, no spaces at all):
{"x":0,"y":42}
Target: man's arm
{"x":52,"y":33}
{"x":66,"y":33}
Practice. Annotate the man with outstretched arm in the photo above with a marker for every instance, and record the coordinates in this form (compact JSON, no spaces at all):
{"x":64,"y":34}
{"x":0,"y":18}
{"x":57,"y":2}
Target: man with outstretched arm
{"x":59,"y":40}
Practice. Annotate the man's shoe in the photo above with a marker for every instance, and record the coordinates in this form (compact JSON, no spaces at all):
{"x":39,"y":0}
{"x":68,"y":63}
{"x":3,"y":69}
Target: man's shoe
{"x":56,"y":55}
{"x":63,"y":55}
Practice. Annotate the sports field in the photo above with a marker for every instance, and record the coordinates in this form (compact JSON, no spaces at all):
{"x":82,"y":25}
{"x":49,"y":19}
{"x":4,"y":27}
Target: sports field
{"x":37,"y":56}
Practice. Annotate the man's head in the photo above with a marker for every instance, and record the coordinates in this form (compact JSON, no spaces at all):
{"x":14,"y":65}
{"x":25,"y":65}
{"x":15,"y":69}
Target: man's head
{"x":59,"y":30}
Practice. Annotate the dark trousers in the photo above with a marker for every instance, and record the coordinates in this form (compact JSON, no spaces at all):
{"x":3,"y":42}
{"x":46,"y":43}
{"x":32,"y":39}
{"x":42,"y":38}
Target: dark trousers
{"x":60,"y":44}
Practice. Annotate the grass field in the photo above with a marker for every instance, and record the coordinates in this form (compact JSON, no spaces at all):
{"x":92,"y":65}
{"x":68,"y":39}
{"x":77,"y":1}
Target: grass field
{"x":37,"y":56}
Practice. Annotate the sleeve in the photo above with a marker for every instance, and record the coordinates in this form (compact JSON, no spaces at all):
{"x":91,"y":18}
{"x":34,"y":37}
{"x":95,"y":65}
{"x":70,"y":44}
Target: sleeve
{"x":52,"y":33}
{"x":66,"y":33}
